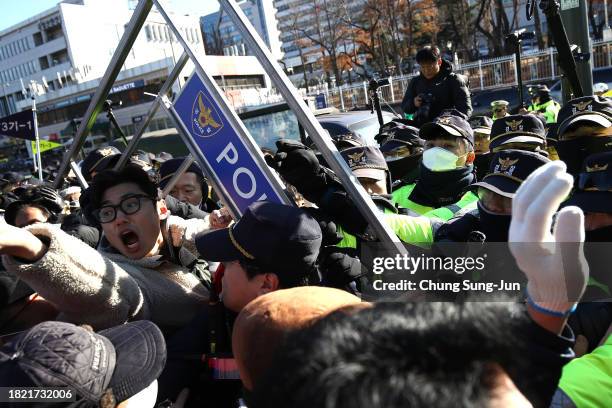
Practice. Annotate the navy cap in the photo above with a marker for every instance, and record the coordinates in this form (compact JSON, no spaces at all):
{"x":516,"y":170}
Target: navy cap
{"x":447,"y":124}
{"x":594,"y":192}
{"x":515,"y":129}
{"x":279,"y":238}
{"x":98,"y":160}
{"x":126,"y":359}
{"x":587,"y":110}
{"x":508,"y":169}
{"x":366,"y":161}
{"x":169,"y":167}
{"x":481,"y":124}
{"x":396,"y":129}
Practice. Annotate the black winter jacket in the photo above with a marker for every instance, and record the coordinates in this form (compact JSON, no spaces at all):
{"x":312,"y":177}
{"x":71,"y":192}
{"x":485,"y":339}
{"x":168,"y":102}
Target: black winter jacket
{"x":449,"y":90}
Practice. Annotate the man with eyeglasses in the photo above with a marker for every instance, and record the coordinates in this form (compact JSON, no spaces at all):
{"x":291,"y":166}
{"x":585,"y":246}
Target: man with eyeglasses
{"x":436,"y":88}
{"x":143,"y":274}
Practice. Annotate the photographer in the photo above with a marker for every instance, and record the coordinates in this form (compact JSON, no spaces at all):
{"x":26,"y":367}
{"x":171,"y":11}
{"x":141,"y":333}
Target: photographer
{"x":437,"y":88}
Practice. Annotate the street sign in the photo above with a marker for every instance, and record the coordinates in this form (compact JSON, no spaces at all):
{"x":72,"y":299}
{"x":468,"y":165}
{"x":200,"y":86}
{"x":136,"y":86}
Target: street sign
{"x":44,"y":146}
{"x":19,"y":125}
{"x":320,"y":101}
{"x":569,"y":4}
{"x":222,"y":148}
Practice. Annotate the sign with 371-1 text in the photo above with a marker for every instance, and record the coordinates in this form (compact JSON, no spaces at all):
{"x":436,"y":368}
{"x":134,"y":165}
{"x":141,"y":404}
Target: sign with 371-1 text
{"x":19,"y":125}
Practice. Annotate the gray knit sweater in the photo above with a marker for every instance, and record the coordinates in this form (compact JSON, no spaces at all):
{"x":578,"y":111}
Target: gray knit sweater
{"x":104,"y":289}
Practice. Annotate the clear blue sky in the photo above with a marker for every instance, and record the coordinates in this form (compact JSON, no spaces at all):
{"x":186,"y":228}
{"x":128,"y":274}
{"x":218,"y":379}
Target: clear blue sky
{"x":15,"y":11}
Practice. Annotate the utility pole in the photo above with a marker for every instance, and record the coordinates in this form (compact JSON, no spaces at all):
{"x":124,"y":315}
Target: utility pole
{"x":575,"y":19}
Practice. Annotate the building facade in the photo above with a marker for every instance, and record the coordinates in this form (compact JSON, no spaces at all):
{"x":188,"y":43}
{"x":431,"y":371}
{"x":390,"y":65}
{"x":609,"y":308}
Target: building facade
{"x":222,"y":38}
{"x":60,"y":55}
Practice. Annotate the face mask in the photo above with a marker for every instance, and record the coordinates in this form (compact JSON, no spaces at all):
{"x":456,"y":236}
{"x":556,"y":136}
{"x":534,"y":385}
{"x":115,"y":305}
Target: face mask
{"x":494,"y":226}
{"x":439,"y":159}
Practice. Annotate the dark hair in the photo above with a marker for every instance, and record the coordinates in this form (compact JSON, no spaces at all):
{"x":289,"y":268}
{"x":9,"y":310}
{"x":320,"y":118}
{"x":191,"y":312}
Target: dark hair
{"x":291,"y":279}
{"x":397,"y":355}
{"x":428,"y":54}
{"x":11,"y":216}
{"x":110,"y":178}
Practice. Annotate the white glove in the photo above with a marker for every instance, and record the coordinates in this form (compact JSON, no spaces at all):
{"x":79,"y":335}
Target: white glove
{"x":554,"y":263}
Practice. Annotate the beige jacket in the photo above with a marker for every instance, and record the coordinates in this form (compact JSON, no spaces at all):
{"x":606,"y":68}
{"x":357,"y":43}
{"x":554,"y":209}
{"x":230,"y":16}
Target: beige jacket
{"x":107,"y":289}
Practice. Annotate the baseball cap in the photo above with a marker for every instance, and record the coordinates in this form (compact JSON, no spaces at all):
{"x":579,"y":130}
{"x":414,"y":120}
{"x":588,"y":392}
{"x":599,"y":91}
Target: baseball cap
{"x":279,"y":238}
{"x":263,"y":324}
{"x":514,"y":129}
{"x":366,"y":161}
{"x":594,"y":192}
{"x":169,"y":168}
{"x":125,"y":359}
{"x":508,"y":169}
{"x":481,"y":124}
{"x":449,"y":124}
{"x":98,"y":160}
{"x":587,"y":110}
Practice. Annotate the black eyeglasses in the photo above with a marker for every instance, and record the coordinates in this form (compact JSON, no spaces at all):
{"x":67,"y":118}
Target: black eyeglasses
{"x":128,"y":206}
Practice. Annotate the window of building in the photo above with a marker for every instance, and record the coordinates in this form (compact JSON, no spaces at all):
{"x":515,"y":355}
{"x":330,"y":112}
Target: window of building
{"x":59,"y":57}
{"x":148,"y":32}
{"x":54,"y":32}
{"x":43,"y":62}
{"x":38,"y":40}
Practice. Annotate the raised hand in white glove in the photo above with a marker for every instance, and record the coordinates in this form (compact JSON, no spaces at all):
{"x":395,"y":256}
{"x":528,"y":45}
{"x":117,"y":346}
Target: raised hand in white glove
{"x":554,"y":263}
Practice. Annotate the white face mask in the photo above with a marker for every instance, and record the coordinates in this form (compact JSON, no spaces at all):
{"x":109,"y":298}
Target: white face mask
{"x":440,"y":159}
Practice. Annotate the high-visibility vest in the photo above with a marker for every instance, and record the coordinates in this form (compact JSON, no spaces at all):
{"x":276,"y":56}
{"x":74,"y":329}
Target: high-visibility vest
{"x":401,"y":198}
{"x":588,"y":380}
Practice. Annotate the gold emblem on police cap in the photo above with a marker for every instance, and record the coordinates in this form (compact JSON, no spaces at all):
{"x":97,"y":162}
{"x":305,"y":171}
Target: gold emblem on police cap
{"x":596,"y":167}
{"x":356,"y":157}
{"x":580,"y":106}
{"x":507,"y":163}
{"x":106,"y":151}
{"x":514,"y":124}
{"x":445,"y":120}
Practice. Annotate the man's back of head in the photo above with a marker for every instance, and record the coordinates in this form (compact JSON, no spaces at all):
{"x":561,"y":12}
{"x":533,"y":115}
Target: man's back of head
{"x":399,"y":355}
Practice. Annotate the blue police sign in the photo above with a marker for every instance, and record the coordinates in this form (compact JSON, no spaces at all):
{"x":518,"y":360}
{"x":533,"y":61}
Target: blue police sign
{"x":19,"y":125}
{"x":222,"y":147}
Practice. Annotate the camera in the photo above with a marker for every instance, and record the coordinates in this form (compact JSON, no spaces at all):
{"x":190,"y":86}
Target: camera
{"x":422,"y":114}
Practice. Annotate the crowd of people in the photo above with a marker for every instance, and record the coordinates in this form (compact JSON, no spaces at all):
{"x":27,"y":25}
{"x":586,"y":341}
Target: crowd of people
{"x":133,"y":297}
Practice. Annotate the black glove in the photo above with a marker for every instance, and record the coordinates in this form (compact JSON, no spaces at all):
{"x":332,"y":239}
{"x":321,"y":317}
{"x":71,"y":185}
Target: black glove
{"x":329,"y":229}
{"x":299,"y":166}
{"x":338,"y":268}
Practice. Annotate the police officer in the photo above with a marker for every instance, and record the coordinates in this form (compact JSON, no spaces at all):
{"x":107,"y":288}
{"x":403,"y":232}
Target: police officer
{"x":499,"y":109}
{"x":523,"y":132}
{"x":403,"y":150}
{"x":481,"y":125}
{"x":543,"y":103}
{"x":593,"y":195}
{"x":584,"y":128}
{"x":491,"y":220}
{"x":445,"y":173}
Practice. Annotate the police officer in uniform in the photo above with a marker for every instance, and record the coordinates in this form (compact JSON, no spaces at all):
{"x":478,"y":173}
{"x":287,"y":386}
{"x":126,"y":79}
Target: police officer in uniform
{"x":543,"y":103}
{"x":499,"y":109}
{"x":445,"y":173}
{"x":522,"y":132}
{"x":584,"y":128}
{"x":403,"y":150}
{"x":481,"y":125}
{"x":491,"y":220}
